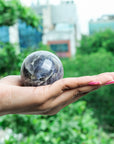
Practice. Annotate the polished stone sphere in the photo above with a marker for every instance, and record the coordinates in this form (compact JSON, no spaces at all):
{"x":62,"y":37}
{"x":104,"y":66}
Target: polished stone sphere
{"x":41,"y":68}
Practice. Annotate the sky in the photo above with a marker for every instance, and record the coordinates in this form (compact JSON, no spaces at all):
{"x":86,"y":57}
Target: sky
{"x":86,"y":10}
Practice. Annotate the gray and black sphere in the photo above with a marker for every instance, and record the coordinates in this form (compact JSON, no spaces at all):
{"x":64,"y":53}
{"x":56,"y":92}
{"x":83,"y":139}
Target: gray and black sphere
{"x":41,"y":68}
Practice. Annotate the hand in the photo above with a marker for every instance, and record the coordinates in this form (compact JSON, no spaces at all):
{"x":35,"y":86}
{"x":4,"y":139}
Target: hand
{"x":47,"y":100}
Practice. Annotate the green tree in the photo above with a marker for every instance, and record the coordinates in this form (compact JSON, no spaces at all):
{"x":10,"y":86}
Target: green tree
{"x":93,"y":43}
{"x":74,"y":124}
{"x":102,"y":99}
{"x":12,"y":10}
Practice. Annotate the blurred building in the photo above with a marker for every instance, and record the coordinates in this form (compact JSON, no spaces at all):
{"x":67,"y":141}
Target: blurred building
{"x":4,"y":34}
{"x":59,"y":26}
{"x":22,"y":34}
{"x":29,"y":36}
{"x":101,"y":24}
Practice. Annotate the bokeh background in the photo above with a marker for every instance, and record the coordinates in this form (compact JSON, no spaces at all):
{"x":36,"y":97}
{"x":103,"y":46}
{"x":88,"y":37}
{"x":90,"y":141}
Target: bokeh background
{"x":85,"y":44}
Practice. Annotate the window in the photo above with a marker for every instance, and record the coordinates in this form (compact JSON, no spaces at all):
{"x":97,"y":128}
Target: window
{"x":59,"y":47}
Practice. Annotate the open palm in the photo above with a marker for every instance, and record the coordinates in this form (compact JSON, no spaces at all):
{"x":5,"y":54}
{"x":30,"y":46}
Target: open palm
{"x":50,"y":99}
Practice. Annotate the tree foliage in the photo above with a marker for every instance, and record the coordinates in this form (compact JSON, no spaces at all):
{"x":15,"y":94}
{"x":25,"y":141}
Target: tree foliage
{"x":75,"y":124}
{"x":102,"y":99}
{"x":12,"y":10}
{"x":92,"y":43}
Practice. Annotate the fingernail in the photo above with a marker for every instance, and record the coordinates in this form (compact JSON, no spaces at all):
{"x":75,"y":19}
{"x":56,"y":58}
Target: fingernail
{"x":110,"y":82}
{"x":94,"y":83}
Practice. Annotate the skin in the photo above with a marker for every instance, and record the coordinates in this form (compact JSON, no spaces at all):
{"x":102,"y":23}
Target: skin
{"x":46,"y":100}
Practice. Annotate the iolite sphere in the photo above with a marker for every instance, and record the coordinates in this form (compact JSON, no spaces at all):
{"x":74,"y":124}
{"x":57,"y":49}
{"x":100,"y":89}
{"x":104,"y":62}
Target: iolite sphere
{"x":41,"y":68}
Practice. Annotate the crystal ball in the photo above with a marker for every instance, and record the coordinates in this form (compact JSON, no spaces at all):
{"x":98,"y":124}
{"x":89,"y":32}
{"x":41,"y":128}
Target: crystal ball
{"x":41,"y":68}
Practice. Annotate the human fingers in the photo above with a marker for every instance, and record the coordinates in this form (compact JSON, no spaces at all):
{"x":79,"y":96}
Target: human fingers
{"x":68,"y":97}
{"x":111,"y":81}
{"x":108,"y":73}
{"x":29,"y":100}
{"x":73,"y":94}
{"x":71,"y":83}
